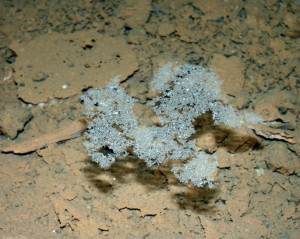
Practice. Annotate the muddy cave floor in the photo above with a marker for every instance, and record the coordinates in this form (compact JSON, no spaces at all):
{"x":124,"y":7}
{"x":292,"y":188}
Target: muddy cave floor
{"x":51,"y":51}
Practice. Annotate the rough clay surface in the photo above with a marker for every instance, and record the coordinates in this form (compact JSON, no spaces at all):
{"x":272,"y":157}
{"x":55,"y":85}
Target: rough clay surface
{"x":51,"y":51}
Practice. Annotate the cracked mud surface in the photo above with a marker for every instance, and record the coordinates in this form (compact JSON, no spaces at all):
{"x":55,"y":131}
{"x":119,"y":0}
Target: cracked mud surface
{"x":52,"y":51}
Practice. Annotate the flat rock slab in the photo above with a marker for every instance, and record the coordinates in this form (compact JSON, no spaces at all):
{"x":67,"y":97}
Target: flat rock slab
{"x":61,"y":65}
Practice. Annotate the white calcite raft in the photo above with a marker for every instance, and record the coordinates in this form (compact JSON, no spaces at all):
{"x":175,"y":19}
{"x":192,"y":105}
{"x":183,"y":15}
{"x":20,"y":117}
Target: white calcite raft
{"x":185,"y":92}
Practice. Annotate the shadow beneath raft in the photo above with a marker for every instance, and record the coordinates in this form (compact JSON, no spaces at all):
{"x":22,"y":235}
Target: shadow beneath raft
{"x":156,"y":178}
